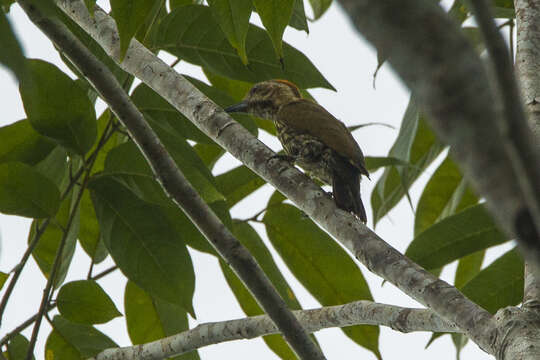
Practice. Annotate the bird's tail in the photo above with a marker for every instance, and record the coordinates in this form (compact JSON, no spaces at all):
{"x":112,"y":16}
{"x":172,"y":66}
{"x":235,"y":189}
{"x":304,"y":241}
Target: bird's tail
{"x":347,"y":193}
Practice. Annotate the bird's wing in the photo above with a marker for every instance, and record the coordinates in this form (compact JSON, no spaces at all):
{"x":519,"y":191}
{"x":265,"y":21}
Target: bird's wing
{"x":312,"y":118}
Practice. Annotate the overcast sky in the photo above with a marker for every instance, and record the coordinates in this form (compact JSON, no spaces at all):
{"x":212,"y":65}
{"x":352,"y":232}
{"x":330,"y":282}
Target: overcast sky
{"x":348,"y":62}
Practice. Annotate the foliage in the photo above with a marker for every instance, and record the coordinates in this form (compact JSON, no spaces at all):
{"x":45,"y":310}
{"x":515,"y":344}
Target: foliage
{"x":121,"y":211}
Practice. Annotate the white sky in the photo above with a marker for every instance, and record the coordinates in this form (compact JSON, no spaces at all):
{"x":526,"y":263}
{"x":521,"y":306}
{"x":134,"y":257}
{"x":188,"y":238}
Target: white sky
{"x":348,"y":62}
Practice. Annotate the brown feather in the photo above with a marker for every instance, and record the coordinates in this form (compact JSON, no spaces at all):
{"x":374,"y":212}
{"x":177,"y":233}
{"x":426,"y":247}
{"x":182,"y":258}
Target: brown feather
{"x":318,"y":122}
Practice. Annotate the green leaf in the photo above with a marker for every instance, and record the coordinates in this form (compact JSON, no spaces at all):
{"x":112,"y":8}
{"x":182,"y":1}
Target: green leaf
{"x":47,"y":247}
{"x":85,"y":302}
{"x":149,"y":319}
{"x":17,"y":348}
{"x":468,"y":267}
{"x":115,"y":139}
{"x":498,"y":285}
{"x":275,"y":15}
{"x":417,"y":145}
{"x":209,"y":154}
{"x":58,"y":107}
{"x":251,"y":240}
{"x":238,"y":183}
{"x":224,"y":100}
{"x":20,"y":142}
{"x":89,"y":232}
{"x":236,"y":89}
{"x":181,"y":36}
{"x":75,"y":341}
{"x":55,"y":167}
{"x":25,"y":192}
{"x":319,"y":7}
{"x":143,"y":243}
{"x":11,"y":54}
{"x":151,"y":104}
{"x":374,"y":163}
{"x":443,"y":193}
{"x":458,"y":235}
{"x":233,"y":18}
{"x":129,"y":16}
{"x":298,"y":18}
{"x":3,"y":278}
{"x":321,"y":265}
{"x":127,"y":163}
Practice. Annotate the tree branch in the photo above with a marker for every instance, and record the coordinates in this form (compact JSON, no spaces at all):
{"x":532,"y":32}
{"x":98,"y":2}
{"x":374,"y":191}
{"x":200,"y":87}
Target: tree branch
{"x":356,"y":313}
{"x":450,"y":80}
{"x":528,"y":72}
{"x":366,"y":246}
{"x":518,"y":139}
{"x":176,"y":185}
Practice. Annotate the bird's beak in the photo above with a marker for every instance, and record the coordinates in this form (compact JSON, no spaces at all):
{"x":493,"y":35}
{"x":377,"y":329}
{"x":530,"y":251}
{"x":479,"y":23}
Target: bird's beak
{"x":240,"y":107}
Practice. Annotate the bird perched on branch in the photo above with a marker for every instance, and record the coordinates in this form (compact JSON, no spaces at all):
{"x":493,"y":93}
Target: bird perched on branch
{"x":312,"y":138}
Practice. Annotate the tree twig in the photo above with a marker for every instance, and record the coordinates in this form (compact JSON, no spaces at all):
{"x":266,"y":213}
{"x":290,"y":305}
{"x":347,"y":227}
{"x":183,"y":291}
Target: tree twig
{"x":177,"y":186}
{"x":355,"y":313}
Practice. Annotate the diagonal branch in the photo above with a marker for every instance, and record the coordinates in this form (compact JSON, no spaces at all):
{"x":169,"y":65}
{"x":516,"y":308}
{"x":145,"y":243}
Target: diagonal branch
{"x":174,"y":182}
{"x":356,"y":313}
{"x":366,"y":246}
{"x":451,"y":81}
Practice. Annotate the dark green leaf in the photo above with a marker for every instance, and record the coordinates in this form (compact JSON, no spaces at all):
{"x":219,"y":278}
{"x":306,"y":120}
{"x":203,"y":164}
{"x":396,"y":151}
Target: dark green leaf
{"x":47,"y":247}
{"x":209,"y":154}
{"x":498,"y":285}
{"x":319,"y":7}
{"x":102,"y":125}
{"x":275,"y":15}
{"x":233,"y":18}
{"x":236,"y":89}
{"x":17,"y":347}
{"x":458,"y":235}
{"x":58,"y":107}
{"x":85,"y":302}
{"x":238,"y":183}
{"x":417,"y":145}
{"x":374,"y":163}
{"x":298,"y":18}
{"x":89,"y":232}
{"x":321,"y":265}
{"x":150,"y":319}
{"x":224,"y":100}
{"x":151,"y":104}
{"x":143,"y":243}
{"x":443,"y":193}
{"x":69,"y":340}
{"x":55,"y":167}
{"x":20,"y":142}
{"x":177,"y":3}
{"x":181,"y":36}
{"x":468,"y":267}
{"x":129,"y":16}
{"x":57,"y":347}
{"x":11,"y":54}
{"x":25,"y":192}
{"x":251,"y":240}
{"x":3,"y":278}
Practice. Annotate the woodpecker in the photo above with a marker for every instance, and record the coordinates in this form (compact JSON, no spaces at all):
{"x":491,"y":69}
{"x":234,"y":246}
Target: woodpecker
{"x":312,"y":138}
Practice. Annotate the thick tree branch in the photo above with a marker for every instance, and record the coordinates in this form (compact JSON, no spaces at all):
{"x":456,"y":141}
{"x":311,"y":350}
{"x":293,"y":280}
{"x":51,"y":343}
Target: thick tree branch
{"x":451,"y":82}
{"x":528,"y":72}
{"x":176,"y":185}
{"x":519,"y":141}
{"x":355,"y":313}
{"x":377,"y":255}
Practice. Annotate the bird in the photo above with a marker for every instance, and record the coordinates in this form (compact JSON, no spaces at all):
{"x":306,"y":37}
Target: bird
{"x":312,"y":138}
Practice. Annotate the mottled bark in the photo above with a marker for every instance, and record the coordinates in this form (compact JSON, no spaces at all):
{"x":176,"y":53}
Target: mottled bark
{"x":356,"y":313}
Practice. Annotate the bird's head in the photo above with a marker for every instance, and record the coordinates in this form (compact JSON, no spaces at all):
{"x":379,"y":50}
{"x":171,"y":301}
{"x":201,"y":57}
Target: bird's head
{"x":265,"y":98}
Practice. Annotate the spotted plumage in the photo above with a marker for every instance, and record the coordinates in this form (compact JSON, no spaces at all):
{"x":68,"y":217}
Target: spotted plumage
{"x":317,"y":141}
